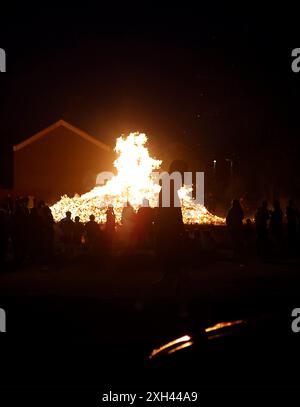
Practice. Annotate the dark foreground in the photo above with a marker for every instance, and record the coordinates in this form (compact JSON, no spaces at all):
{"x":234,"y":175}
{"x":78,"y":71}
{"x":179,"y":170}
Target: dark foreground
{"x":90,"y":325}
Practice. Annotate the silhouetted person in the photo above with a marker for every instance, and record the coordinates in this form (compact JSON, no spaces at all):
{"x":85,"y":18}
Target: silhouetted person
{"x":234,"y":222}
{"x":144,"y":219}
{"x":92,"y":231}
{"x":78,"y":236}
{"x":110,"y":224}
{"x":262,"y":217}
{"x":67,"y":229}
{"x":110,"y":227}
{"x":128,"y":221}
{"x":78,"y":231}
{"x":169,"y":237}
{"x":169,"y":231}
{"x":128,"y":215}
{"x":47,"y":231}
{"x":276,"y":225}
{"x":292,"y":219}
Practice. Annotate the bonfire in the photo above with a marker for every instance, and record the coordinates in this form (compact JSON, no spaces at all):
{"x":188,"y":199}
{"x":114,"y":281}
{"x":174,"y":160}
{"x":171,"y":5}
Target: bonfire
{"x":134,"y":182}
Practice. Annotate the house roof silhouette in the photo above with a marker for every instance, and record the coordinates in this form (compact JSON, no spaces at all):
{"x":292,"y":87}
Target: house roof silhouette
{"x":61,"y":123}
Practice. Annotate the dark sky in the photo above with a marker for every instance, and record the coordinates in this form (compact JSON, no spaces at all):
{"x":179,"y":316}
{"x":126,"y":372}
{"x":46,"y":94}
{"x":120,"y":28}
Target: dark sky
{"x":215,"y":78}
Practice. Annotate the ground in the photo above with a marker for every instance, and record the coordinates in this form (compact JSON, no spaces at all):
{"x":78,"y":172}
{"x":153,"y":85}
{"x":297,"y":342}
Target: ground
{"x":137,"y":284}
{"x":124,"y":301}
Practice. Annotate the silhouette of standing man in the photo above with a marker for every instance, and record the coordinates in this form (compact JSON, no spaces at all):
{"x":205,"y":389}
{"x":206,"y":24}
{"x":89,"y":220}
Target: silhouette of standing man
{"x":234,"y":222}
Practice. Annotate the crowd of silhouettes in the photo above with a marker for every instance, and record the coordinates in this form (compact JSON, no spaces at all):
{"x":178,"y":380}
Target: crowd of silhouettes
{"x":272,"y":234}
{"x":276,"y":232}
{"x":28,"y":232}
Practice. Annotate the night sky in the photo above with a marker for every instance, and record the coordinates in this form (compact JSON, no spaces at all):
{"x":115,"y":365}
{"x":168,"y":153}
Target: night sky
{"x":216,"y":79}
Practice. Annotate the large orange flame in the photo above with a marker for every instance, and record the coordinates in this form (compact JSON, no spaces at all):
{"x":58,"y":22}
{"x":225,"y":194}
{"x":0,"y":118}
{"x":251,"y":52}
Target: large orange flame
{"x":134,"y":182}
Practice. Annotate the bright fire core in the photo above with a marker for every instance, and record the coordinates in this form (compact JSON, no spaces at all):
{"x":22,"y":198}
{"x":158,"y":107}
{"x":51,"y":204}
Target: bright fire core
{"x":132,"y":183}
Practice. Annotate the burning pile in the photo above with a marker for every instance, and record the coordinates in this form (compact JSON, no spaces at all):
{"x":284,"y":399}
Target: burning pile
{"x":133,"y":183}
